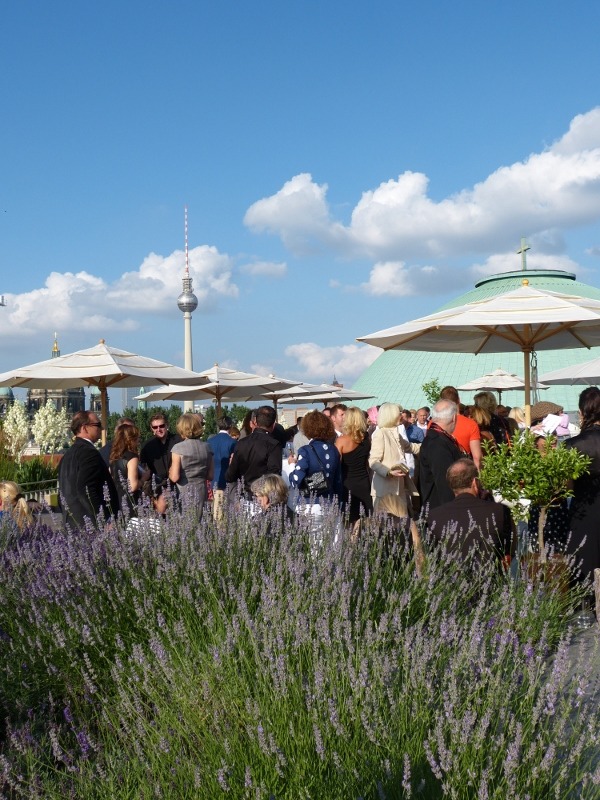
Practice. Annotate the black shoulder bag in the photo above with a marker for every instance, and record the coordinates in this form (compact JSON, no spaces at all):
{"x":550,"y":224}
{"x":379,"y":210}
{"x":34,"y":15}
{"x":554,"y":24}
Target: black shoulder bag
{"x":315,"y":484}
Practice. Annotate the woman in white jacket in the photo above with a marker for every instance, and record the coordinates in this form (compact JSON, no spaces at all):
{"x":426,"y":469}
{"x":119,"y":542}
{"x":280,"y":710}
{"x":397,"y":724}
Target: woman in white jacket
{"x":392,"y":489}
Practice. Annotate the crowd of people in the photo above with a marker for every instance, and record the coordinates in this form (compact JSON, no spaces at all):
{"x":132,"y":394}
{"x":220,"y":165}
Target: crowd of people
{"x":415,"y":469}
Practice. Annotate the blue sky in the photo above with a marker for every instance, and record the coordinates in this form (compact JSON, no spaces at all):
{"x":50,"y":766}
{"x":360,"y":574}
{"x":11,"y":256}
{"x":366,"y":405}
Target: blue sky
{"x":346,"y":166}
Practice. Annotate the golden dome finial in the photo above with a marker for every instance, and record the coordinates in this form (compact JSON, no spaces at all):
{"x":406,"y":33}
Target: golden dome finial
{"x":55,"y":348}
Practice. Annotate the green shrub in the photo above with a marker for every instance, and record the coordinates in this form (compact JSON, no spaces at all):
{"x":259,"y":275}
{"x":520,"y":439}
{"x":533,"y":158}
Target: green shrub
{"x":35,"y":470}
{"x":8,"y":468}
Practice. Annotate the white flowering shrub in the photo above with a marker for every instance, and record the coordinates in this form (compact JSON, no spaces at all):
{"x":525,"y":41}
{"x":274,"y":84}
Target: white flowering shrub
{"x":16,"y":429}
{"x":49,"y":427}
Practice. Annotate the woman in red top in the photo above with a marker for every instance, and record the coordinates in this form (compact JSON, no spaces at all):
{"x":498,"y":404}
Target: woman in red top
{"x":466,"y":431}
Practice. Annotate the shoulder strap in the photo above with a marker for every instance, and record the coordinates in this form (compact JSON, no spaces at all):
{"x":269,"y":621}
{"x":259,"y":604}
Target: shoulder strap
{"x":317,"y":455}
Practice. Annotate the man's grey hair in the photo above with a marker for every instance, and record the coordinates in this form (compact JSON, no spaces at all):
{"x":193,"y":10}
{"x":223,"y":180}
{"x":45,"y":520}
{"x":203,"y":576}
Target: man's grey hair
{"x":443,"y":411}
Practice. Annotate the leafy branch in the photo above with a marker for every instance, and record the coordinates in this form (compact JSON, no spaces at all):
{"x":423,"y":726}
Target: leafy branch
{"x":432,"y":390}
{"x":519,"y":471}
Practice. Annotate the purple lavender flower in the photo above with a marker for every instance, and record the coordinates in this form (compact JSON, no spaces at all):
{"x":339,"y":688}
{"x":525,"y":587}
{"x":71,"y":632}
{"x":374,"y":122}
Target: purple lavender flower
{"x":318,"y":742}
{"x":406,"y":779}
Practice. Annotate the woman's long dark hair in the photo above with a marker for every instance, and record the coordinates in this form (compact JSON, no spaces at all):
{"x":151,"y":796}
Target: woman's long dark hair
{"x":589,"y":405}
{"x":127,"y":437}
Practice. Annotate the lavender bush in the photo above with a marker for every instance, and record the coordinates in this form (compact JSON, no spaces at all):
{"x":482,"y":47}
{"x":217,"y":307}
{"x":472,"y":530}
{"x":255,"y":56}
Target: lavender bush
{"x":247,"y":660}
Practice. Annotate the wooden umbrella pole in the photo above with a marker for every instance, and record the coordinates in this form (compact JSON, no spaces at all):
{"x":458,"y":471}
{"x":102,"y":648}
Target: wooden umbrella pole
{"x":104,"y":404}
{"x":527,"y":380}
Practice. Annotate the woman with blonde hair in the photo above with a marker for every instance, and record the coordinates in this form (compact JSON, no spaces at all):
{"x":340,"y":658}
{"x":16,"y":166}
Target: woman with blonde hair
{"x":271,"y":493}
{"x":354,"y":447}
{"x":13,"y":504}
{"x":191,"y":459}
{"x":270,"y":490}
{"x":498,"y":427}
{"x":483,"y":419}
{"x":391,"y":486}
{"x":518,"y":414}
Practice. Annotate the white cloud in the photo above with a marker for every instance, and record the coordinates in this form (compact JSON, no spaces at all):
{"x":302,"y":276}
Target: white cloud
{"x":67,"y":300}
{"x":582,"y":134}
{"x":83,"y":302}
{"x":298,"y":213}
{"x":318,"y":363}
{"x":270,"y":269}
{"x":556,"y":189}
{"x":396,"y":279}
{"x":157,"y":283}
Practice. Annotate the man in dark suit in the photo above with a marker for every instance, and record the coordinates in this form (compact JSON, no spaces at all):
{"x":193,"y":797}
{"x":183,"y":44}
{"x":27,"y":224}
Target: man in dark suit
{"x":438,"y":451}
{"x":258,"y":454}
{"x":468,"y":524}
{"x":83,"y":475}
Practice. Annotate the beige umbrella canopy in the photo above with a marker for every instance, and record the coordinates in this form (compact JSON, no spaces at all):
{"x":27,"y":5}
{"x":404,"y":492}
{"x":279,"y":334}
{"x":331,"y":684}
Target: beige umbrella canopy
{"x":324,"y":392}
{"x":586,"y":374}
{"x":101,"y":366}
{"x":222,"y":384}
{"x":497,"y":381}
{"x":525,"y":320}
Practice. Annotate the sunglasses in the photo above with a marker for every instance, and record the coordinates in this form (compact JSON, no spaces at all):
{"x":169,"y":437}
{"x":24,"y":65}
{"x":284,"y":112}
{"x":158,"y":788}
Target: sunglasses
{"x":157,"y":427}
{"x":93,"y":425}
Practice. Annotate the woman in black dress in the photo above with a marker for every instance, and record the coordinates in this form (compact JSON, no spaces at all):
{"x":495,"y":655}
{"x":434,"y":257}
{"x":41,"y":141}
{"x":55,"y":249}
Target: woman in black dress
{"x":497,"y":425}
{"x":354,"y":446}
{"x":124,"y":466}
{"x":585,"y":506}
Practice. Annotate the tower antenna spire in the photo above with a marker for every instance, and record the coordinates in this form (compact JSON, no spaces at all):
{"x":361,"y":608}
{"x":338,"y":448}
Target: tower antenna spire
{"x":185,"y":234}
{"x":187,"y":302}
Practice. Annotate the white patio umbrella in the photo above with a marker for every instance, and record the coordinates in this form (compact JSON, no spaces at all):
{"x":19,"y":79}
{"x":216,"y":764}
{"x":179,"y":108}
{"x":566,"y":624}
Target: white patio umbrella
{"x":497,"y":381}
{"x":324,"y":392}
{"x":525,"y":320}
{"x":100,"y":366}
{"x":221,"y":384}
{"x":586,"y":374}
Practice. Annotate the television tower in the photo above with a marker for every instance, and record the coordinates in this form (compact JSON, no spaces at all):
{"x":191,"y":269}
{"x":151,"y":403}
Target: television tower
{"x":187,"y":302}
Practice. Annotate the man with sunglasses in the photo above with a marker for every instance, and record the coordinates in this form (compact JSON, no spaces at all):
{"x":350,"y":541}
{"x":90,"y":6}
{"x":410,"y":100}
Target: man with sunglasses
{"x":83,"y":476}
{"x":156,"y":453}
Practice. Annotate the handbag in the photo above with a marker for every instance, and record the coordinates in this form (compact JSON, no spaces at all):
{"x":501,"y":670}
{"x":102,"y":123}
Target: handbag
{"x":315,"y":483}
{"x":400,"y":467}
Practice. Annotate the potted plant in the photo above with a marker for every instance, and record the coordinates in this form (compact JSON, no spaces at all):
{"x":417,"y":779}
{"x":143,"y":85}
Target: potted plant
{"x":523,"y":475}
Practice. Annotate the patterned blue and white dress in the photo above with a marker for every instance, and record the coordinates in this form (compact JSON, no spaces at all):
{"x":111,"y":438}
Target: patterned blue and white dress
{"x":318,"y":456}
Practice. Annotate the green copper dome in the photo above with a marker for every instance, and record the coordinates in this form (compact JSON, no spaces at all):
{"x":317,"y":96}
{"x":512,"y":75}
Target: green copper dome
{"x":398,"y":375}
